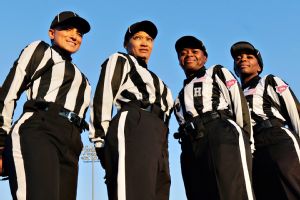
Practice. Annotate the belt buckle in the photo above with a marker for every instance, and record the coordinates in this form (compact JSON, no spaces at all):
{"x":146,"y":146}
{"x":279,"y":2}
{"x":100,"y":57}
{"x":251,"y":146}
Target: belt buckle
{"x":215,"y":115}
{"x":268,"y":124}
{"x":189,"y":126}
{"x":148,"y":108}
{"x":70,"y":116}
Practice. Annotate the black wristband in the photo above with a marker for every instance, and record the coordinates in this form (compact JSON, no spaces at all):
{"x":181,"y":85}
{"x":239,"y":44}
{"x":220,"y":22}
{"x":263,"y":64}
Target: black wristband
{"x":2,"y":138}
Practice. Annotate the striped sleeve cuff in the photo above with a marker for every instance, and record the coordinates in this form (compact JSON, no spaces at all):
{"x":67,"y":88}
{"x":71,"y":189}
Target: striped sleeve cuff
{"x":99,"y":143}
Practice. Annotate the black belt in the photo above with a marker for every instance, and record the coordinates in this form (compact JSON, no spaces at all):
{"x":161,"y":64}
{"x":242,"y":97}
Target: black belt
{"x":207,"y":117}
{"x":152,"y":108}
{"x":268,"y":123}
{"x":45,"y":106}
{"x":194,"y":126}
{"x":73,"y":118}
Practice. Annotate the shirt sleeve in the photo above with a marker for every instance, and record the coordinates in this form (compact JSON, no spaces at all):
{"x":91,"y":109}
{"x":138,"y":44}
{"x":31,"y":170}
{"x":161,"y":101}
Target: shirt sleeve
{"x":236,"y":99}
{"x":288,"y":103}
{"x":112,"y":75}
{"x":178,"y":111}
{"x":17,"y":81}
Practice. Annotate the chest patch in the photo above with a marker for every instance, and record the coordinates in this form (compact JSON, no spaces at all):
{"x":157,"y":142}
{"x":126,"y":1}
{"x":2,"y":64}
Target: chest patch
{"x":197,"y":92}
{"x":250,"y":92}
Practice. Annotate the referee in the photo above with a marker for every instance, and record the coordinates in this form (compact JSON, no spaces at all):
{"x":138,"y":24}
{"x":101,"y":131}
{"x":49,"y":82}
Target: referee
{"x":215,"y":129}
{"x":43,"y":146}
{"x":276,"y":126}
{"x":135,"y":152}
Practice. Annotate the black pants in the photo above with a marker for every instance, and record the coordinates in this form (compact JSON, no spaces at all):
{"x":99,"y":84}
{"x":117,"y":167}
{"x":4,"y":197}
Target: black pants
{"x":42,"y":156}
{"x":276,"y":165}
{"x":218,"y":165}
{"x":136,"y":156}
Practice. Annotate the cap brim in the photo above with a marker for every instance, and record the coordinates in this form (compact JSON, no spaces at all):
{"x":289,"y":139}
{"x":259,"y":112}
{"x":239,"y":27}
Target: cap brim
{"x":189,"y":42}
{"x":186,"y":42}
{"x":242,"y":47}
{"x":146,"y":26}
{"x":77,"y":22}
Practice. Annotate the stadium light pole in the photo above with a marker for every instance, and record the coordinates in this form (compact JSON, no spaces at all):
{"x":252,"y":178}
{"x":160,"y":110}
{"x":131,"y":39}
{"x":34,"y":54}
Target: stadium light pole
{"x":88,"y":155}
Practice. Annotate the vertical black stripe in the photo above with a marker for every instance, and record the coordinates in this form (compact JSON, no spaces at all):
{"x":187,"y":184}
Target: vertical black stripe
{"x":98,"y":98}
{"x":216,"y":93}
{"x":69,"y":76}
{"x":157,"y":89}
{"x":265,"y":106}
{"x":245,"y":112}
{"x":117,"y":77}
{"x":80,"y":95}
{"x":44,"y":84}
{"x":84,"y":113}
{"x":198,"y":99}
{"x":182,"y":103}
{"x":164,"y":97}
{"x":141,"y":85}
{"x":36,"y":58}
{"x":41,"y":73}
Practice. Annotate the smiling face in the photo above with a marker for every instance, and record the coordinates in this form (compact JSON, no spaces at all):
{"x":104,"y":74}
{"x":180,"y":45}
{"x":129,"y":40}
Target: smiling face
{"x":191,"y":60}
{"x":68,"y":38}
{"x":140,"y":45}
{"x":247,"y":65}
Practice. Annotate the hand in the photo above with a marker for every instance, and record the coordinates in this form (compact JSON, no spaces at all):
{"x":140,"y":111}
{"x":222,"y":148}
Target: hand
{"x":1,"y":161}
{"x":1,"y":166}
{"x":3,"y":170}
{"x":100,"y":154}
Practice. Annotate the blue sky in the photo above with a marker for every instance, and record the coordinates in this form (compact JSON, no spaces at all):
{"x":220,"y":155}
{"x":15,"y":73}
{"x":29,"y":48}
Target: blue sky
{"x":271,"y":26}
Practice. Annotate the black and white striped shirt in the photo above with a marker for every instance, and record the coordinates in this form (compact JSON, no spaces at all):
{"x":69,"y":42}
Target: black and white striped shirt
{"x":56,"y":79}
{"x":122,"y":82}
{"x":270,"y":97}
{"x":213,"y":89}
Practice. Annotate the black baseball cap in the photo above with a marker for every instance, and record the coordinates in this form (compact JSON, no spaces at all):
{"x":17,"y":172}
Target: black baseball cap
{"x":70,"y":18}
{"x":146,"y":26}
{"x":246,"y":47}
{"x":190,"y":42}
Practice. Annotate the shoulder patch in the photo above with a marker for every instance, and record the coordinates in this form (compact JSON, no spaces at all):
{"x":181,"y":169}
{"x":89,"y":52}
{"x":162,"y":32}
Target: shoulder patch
{"x":281,"y":88}
{"x":230,"y":83}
